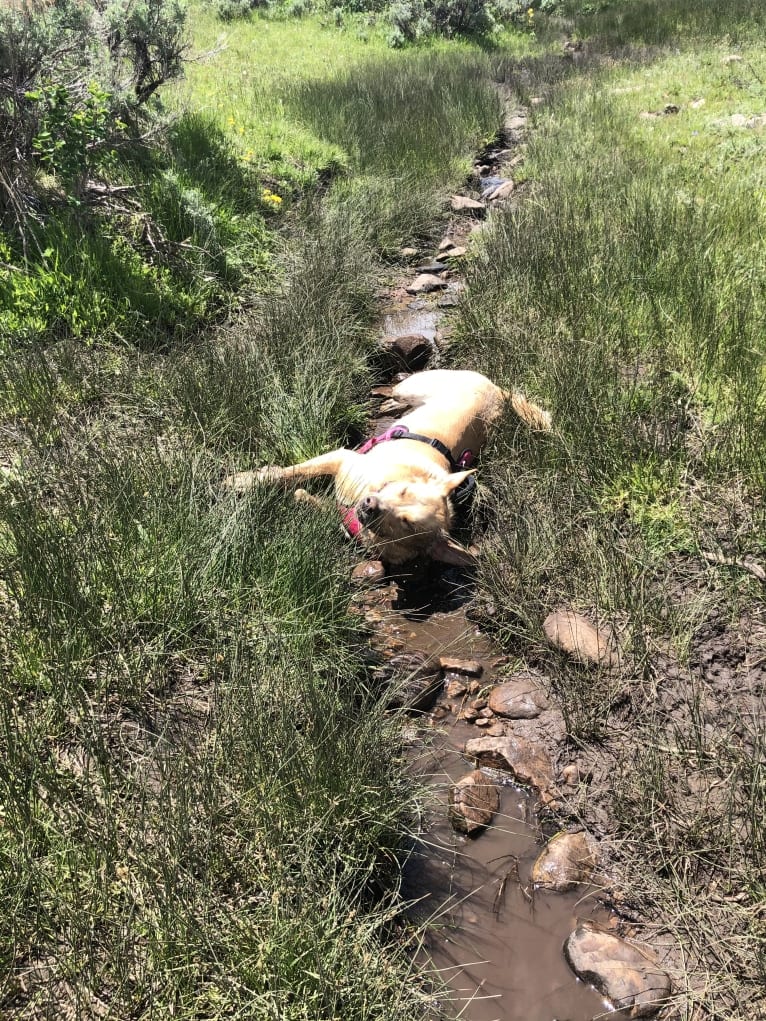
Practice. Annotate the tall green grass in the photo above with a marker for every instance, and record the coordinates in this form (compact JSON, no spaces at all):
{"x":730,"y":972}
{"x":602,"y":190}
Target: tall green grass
{"x":405,"y":128}
{"x":203,"y":801}
{"x":624,"y":293}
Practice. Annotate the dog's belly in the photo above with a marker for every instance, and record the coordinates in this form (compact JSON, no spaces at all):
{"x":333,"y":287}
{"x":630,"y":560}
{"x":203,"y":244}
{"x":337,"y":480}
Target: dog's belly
{"x":467,"y":431}
{"x":459,"y":427}
{"x":454,"y":406}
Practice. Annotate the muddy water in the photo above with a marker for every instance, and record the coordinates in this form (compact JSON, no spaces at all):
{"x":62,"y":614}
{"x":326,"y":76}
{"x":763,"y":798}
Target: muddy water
{"x":494,"y":940}
{"x":400,"y":321}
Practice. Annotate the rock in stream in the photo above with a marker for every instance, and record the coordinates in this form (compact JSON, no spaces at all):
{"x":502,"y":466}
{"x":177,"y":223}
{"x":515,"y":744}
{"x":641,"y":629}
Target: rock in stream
{"x":629,"y":977}
{"x":568,"y":860}
{"x":415,"y":678}
{"x":518,"y":698}
{"x":474,"y":799}
{"x":526,"y":761}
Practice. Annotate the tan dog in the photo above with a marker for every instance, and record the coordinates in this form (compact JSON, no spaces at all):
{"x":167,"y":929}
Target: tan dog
{"x":394,"y":492}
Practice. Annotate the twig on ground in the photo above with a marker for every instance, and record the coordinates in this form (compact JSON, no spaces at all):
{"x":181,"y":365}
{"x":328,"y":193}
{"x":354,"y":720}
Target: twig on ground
{"x":746,"y":565}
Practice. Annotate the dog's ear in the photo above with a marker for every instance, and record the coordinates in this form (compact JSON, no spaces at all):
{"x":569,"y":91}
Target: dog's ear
{"x":456,"y":479}
{"x":448,"y":551}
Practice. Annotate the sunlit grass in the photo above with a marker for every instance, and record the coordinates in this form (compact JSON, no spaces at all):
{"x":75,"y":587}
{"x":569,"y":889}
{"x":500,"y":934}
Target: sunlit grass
{"x":625,"y":293}
{"x":244,"y":75}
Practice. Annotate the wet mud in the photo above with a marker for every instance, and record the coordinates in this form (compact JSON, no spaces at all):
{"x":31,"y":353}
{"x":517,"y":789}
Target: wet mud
{"x":494,"y":942}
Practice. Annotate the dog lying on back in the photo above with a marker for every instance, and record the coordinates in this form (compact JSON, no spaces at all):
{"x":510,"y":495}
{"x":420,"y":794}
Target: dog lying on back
{"x":394,"y":493}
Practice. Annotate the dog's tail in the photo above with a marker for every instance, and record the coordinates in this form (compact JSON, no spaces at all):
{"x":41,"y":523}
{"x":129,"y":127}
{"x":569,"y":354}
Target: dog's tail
{"x":532,"y":414}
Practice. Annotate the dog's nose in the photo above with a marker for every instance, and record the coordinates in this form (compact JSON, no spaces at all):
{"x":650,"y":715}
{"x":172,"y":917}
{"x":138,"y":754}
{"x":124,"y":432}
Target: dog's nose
{"x":368,"y":507}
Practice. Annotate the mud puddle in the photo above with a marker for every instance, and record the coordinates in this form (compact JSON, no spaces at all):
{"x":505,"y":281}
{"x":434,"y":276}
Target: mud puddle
{"x":494,"y":941}
{"x":404,"y":320}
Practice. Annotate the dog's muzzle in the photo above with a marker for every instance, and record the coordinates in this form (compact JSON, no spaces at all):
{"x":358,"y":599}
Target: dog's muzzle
{"x":368,"y":510}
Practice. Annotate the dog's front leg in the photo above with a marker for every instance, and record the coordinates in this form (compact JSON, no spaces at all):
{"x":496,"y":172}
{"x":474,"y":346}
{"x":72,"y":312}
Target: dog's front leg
{"x":326,"y":464}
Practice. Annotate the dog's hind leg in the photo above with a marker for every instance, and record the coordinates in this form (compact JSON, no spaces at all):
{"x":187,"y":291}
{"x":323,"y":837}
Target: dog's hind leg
{"x":412,"y":392}
{"x":416,"y":389}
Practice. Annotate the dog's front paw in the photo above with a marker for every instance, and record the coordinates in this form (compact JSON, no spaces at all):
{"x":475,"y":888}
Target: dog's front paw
{"x":240,"y":482}
{"x":302,"y":496}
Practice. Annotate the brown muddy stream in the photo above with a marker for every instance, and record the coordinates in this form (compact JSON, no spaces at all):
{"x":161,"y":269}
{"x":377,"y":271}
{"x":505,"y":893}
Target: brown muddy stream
{"x":495,"y":942}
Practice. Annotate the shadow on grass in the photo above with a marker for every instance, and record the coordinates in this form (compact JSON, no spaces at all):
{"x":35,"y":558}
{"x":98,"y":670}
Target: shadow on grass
{"x":202,"y":153}
{"x":390,"y":115}
{"x":150,"y":267}
{"x":646,"y":23}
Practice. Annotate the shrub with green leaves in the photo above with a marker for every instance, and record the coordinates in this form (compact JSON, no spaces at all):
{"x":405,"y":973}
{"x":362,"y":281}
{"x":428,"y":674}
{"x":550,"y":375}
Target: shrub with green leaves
{"x":410,"y":20}
{"x":73,"y":78}
{"x":405,"y":21}
{"x":229,"y":10}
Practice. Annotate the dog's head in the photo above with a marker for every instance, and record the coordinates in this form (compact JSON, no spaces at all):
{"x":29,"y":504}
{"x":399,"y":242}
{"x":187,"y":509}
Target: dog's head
{"x":405,"y":519}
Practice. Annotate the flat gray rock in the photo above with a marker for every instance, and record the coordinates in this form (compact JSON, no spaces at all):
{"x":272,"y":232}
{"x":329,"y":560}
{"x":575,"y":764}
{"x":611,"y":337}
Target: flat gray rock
{"x":503,"y":191}
{"x":468,"y":667}
{"x":630,"y":978}
{"x":464,"y":204}
{"x":424,"y":283}
{"x":518,"y":698}
{"x":489,"y":184}
{"x":435,"y":266}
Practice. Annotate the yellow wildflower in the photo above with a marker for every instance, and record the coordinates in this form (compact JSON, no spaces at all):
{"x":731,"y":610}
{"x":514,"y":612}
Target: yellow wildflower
{"x":272,"y":199}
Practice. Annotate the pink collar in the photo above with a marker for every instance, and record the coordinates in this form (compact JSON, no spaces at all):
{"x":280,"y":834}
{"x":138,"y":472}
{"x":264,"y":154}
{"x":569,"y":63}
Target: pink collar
{"x":348,"y":518}
{"x":392,"y":433}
